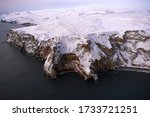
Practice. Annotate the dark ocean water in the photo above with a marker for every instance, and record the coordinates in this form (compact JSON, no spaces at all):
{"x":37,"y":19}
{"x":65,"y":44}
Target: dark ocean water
{"x":22,"y":77}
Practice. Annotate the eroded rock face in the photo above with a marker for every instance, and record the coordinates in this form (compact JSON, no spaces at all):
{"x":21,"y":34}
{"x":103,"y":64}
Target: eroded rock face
{"x":44,"y":48}
{"x":135,"y":51}
{"x":89,"y":54}
{"x":25,"y":41}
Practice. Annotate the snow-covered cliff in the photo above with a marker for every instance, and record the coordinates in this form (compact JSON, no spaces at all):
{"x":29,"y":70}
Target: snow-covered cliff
{"x":83,"y":40}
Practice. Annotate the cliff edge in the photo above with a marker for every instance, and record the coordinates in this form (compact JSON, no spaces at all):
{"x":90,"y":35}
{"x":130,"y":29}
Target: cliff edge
{"x":83,"y":40}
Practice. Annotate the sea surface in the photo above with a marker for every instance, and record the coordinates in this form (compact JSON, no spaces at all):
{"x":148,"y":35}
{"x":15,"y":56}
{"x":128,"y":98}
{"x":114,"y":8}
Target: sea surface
{"x":22,"y":78}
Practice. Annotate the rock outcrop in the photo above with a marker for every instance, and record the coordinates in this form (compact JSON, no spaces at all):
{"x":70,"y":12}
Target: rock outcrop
{"x":134,"y":49}
{"x":87,"y":55}
{"x":84,"y":39}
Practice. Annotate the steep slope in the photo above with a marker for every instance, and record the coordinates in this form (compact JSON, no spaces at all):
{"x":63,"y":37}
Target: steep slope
{"x":83,"y":40}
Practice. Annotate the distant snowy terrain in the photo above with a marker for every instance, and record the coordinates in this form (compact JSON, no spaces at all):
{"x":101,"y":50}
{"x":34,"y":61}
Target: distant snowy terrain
{"x":77,"y":21}
{"x":83,"y":39}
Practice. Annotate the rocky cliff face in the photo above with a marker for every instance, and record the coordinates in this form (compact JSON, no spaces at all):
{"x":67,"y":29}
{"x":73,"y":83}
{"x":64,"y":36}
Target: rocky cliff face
{"x":134,"y":49}
{"x":28,"y":43}
{"x":87,"y":55}
{"x":82,"y":39}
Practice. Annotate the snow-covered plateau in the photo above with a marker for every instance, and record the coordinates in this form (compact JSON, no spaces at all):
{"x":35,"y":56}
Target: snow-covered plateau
{"x":83,"y":39}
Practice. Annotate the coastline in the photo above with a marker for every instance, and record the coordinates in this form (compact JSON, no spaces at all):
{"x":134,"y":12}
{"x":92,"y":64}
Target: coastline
{"x":135,"y":69}
{"x":22,"y":78}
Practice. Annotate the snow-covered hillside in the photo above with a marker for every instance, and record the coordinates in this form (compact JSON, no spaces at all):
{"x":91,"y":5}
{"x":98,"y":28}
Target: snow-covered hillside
{"x":83,"y":39}
{"x":77,"y":21}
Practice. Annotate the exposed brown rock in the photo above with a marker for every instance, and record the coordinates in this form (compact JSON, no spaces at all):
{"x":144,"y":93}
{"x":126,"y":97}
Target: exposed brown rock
{"x":134,"y":35}
{"x":104,"y":64}
{"x":107,"y":51}
{"x":58,"y":63}
{"x":86,"y":47}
